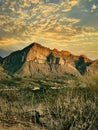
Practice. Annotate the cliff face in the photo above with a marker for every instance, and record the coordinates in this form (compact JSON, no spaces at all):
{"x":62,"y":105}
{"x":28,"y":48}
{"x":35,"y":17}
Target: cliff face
{"x":38,"y":53}
{"x":37,"y":59}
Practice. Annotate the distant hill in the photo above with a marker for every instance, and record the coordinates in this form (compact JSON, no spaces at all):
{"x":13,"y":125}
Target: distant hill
{"x":37,"y":59}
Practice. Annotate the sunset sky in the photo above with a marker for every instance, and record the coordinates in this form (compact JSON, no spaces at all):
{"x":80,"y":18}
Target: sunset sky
{"x":70,"y":25}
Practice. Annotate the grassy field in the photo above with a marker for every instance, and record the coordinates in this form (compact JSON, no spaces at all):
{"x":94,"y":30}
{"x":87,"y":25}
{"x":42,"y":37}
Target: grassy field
{"x":49,"y":103}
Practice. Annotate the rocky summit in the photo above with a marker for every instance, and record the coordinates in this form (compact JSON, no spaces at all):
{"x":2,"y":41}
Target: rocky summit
{"x":37,"y":59}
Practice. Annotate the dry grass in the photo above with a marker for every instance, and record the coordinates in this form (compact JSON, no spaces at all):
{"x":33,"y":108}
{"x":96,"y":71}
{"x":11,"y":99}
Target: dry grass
{"x":71,"y":108}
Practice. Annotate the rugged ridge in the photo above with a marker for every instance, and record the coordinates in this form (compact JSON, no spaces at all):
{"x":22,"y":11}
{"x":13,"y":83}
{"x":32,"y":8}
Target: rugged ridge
{"x":37,"y":59}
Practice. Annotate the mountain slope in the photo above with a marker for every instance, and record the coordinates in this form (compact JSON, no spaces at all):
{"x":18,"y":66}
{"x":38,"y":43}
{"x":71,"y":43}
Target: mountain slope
{"x":1,"y":60}
{"x":37,"y":59}
{"x":3,"y":73}
{"x":15,"y":60}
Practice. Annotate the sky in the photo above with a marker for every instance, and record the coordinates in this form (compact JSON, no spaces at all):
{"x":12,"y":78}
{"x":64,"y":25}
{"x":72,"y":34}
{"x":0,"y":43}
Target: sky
{"x":70,"y":25}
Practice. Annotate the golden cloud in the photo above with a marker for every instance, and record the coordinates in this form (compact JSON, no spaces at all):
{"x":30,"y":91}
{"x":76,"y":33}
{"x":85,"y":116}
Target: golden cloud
{"x":94,"y":7}
{"x":73,"y":2}
{"x":44,"y":22}
{"x":8,"y":41}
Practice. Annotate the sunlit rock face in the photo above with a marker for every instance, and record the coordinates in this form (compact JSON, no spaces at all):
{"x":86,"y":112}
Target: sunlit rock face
{"x":65,"y":53}
{"x":38,"y":53}
{"x":62,"y":61}
{"x":93,"y":68}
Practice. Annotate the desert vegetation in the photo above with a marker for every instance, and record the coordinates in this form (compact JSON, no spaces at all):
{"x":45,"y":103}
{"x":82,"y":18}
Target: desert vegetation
{"x":57,"y":103}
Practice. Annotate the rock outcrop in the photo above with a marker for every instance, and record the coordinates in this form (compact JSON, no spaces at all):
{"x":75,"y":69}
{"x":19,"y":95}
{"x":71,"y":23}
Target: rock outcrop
{"x":93,"y":67}
{"x":82,"y":63}
{"x":37,"y":59}
{"x":38,"y":53}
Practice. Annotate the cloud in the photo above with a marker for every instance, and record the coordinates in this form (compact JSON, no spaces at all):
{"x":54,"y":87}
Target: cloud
{"x":4,"y":52}
{"x":62,"y":28}
{"x":94,"y":51}
{"x":68,"y":5}
{"x":69,"y":20}
{"x":90,"y":0}
{"x":44,"y":17}
{"x":35,"y":1}
{"x":94,"y":7}
{"x":46,"y":21}
{"x":73,"y":2}
{"x":4,"y":42}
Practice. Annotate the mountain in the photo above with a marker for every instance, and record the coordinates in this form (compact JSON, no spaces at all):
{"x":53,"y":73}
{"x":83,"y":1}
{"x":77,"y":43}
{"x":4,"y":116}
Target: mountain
{"x":37,"y":59}
{"x":93,"y":68}
{"x":3,"y":73}
{"x":1,"y":60}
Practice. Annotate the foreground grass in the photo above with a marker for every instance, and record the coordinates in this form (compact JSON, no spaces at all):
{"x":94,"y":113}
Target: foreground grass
{"x":69,"y":108}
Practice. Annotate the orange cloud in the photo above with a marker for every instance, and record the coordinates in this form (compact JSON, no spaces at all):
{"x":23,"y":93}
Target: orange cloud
{"x":8,"y":41}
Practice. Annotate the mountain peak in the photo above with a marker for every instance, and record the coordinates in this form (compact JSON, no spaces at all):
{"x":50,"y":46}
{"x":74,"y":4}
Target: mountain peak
{"x":35,"y":44}
{"x":36,"y":58}
{"x":37,"y":51}
{"x":32,"y":45}
{"x":66,"y":53}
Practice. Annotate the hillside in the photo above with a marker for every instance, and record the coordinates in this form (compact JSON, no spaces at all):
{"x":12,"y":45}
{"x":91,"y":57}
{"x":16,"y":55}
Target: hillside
{"x":48,"y":90}
{"x":37,"y":59}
